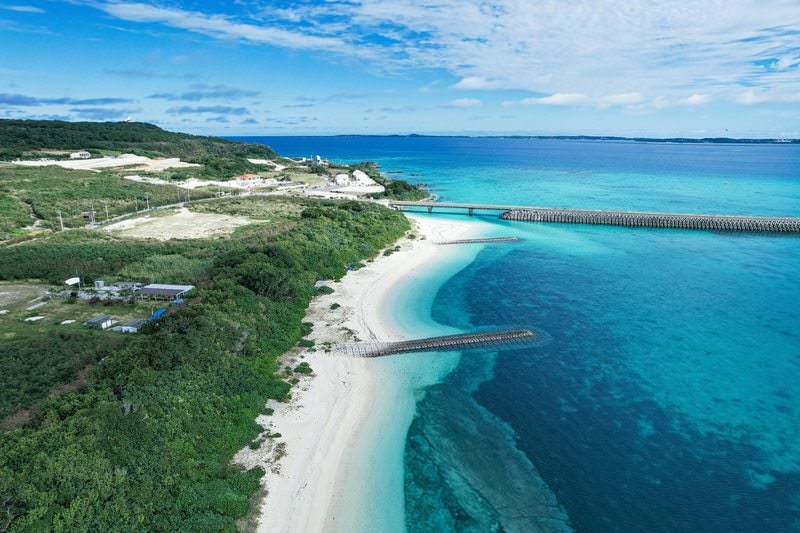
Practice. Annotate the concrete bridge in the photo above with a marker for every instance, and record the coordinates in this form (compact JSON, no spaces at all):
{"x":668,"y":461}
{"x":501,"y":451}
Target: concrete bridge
{"x":621,"y":218}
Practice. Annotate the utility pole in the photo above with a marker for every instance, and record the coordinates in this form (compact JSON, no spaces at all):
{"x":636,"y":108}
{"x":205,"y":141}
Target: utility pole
{"x":91,"y":212}
{"x":137,"y":203}
{"x":61,"y":220}
{"x":147,"y":199}
{"x":106,"y":204}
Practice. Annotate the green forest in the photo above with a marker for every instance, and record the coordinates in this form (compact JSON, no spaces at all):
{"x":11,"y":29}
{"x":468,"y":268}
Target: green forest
{"x":145,"y":442}
{"x":20,"y":137}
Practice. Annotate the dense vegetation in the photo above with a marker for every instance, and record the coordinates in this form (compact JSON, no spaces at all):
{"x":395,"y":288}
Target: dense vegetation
{"x":34,"y":364}
{"x":147,"y":444}
{"x":18,"y":137}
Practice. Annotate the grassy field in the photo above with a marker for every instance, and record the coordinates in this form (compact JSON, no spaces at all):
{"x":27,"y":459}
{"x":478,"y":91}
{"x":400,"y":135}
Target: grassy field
{"x":31,"y":194}
{"x":56,"y":310}
{"x":14,"y":216}
{"x":274,"y":209}
{"x":298,"y":174}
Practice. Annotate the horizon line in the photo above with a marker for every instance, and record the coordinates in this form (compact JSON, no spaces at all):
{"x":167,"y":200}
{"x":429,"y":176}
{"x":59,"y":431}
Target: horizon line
{"x":686,"y":140}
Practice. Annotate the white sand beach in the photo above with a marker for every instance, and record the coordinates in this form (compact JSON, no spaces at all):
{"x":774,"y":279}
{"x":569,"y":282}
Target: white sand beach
{"x":311,"y":466}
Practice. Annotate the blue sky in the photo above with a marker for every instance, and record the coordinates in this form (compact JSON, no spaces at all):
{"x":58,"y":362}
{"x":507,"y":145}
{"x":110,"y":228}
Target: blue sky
{"x":597,"y":67}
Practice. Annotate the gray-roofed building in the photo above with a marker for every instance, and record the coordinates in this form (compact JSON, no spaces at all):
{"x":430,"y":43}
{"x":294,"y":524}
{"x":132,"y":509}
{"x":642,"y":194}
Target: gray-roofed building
{"x":163,"y":291}
{"x":131,"y":327}
{"x":100,"y":322}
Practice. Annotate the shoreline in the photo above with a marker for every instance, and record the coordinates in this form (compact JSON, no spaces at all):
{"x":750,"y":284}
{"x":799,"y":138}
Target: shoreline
{"x":328,"y":428}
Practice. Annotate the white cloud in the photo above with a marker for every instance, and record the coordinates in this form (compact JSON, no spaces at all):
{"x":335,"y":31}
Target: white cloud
{"x":753,"y":97}
{"x":220,"y":26}
{"x":25,"y":9}
{"x":787,"y":62}
{"x":697,"y":99}
{"x":464,"y":102}
{"x":477,"y":82}
{"x":623,"y":99}
{"x":556,"y":99}
{"x":659,"y":102}
{"x":616,"y":53}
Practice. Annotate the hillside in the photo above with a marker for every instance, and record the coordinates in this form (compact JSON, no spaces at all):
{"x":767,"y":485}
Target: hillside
{"x":45,"y":197}
{"x":23,"y":137}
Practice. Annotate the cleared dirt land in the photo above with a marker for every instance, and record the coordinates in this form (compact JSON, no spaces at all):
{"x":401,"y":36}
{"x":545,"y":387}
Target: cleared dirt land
{"x":14,"y":293}
{"x":183,"y":224}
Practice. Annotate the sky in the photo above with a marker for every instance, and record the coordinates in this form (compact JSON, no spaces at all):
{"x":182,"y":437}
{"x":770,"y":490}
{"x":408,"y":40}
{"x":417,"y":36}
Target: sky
{"x":656,"y":68}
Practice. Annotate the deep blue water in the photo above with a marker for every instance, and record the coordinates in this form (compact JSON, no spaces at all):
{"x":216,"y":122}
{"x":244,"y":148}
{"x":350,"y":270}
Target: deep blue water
{"x":665,"y":394}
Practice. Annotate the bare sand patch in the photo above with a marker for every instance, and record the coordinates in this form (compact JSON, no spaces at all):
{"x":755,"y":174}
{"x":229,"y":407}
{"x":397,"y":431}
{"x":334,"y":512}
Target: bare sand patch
{"x":194,"y":183}
{"x":134,"y":162}
{"x":184,"y":224}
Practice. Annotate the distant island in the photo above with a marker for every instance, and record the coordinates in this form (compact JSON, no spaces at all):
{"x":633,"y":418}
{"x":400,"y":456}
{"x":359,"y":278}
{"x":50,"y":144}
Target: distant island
{"x":673,"y":140}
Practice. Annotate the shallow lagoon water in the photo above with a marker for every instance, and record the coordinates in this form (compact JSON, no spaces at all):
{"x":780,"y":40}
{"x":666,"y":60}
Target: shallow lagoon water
{"x":667,"y":395}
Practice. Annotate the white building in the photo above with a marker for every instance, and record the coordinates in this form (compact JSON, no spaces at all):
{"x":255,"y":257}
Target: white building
{"x":83,"y":154}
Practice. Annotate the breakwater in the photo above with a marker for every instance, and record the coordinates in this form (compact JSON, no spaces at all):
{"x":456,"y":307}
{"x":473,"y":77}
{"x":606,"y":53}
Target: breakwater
{"x":656,"y":220}
{"x":621,"y":218}
{"x":481,"y":241}
{"x":430,"y":344}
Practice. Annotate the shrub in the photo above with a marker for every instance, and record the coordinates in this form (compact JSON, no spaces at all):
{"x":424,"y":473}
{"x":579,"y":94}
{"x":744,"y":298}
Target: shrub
{"x":303,"y":368}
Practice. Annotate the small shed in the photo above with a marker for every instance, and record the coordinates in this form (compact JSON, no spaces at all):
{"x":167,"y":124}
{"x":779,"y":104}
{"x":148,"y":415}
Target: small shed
{"x":100,"y":322}
{"x":131,"y":327}
{"x":162,"y":291}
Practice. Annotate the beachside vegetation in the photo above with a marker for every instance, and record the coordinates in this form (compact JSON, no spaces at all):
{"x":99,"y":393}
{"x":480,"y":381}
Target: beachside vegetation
{"x":303,"y":368}
{"x":144,"y":442}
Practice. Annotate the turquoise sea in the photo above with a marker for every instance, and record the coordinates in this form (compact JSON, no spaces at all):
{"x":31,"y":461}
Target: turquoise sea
{"x":664,"y":392}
